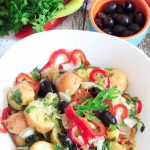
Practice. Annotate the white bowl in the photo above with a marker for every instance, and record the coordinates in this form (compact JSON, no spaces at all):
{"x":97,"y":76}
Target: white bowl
{"x":101,"y":50}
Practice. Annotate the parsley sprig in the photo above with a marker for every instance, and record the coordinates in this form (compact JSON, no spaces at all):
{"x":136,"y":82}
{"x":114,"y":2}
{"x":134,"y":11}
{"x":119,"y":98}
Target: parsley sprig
{"x":89,"y":106}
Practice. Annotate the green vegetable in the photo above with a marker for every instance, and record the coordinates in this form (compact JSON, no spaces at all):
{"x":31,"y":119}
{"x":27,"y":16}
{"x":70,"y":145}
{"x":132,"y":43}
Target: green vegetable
{"x":129,"y":99}
{"x":35,"y":74}
{"x":58,"y":147}
{"x":70,"y":8}
{"x":29,"y":109}
{"x":17,"y":13}
{"x":90,"y":105}
{"x":16,"y":96}
{"x":139,"y":122}
{"x":106,"y":145}
{"x":112,"y":127}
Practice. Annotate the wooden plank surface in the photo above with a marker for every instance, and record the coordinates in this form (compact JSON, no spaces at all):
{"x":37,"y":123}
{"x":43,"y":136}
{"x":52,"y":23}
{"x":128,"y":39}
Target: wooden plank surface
{"x":75,"y":22}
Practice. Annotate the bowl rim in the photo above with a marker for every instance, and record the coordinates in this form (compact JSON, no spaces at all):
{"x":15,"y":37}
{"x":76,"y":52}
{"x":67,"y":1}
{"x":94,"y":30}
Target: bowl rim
{"x":147,"y":24}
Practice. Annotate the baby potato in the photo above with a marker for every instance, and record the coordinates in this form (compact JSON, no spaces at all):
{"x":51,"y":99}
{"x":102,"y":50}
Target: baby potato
{"x":113,"y":134}
{"x":38,"y":119}
{"x":20,"y":95}
{"x":50,"y":73}
{"x":18,"y":141}
{"x":16,"y":123}
{"x":68,"y":83}
{"x":117,"y":146}
{"x":42,"y":145}
{"x":118,"y":78}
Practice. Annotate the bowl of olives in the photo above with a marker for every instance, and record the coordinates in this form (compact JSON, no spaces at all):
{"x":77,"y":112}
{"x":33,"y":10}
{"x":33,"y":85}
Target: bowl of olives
{"x":128,"y":19}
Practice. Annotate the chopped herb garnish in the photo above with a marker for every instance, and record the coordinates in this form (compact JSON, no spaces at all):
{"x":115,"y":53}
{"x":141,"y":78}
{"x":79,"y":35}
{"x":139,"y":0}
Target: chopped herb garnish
{"x":29,"y":109}
{"x":112,"y":127}
{"x":129,"y":99}
{"x":16,"y":96}
{"x":36,"y":74}
{"x":139,"y":122}
{"x":89,"y":106}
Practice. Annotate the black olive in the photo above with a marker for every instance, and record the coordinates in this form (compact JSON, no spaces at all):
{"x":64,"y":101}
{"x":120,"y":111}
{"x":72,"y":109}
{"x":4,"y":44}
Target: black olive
{"x":123,"y":19}
{"x":107,"y":118}
{"x":108,"y":22}
{"x":75,"y":147}
{"x":139,"y":18}
{"x":99,"y":23}
{"x":131,"y":17}
{"x":34,"y":138}
{"x":128,"y":6}
{"x":61,"y":106}
{"x":94,"y":91}
{"x":45,"y":87}
{"x":110,"y":8}
{"x":127,"y":33}
{"x":134,"y":27}
{"x":108,"y":31}
{"x":120,"y":10}
{"x":66,"y":141}
{"x":118,"y":30}
{"x":101,"y":15}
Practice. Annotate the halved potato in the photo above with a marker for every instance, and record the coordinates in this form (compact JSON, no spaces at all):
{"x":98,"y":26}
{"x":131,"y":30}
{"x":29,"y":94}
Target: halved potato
{"x":117,"y":146}
{"x":20,"y":95}
{"x":118,"y":78}
{"x":19,"y":142}
{"x":42,"y":145}
{"x":38,"y":119}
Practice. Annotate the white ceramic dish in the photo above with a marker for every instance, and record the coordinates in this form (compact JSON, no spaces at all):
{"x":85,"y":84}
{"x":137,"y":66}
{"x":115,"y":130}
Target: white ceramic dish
{"x":101,"y":50}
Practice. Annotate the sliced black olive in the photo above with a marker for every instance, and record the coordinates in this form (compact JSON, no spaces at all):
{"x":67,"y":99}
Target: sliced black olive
{"x":66,"y":141}
{"x":94,"y":91}
{"x":45,"y":87}
{"x":120,"y":10}
{"x":110,"y":8}
{"x":128,"y":6}
{"x":107,"y":118}
{"x":61,"y":106}
{"x":34,"y":138}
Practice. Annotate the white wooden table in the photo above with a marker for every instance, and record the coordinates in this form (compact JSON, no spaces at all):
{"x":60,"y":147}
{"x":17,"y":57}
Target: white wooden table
{"x":76,"y":21}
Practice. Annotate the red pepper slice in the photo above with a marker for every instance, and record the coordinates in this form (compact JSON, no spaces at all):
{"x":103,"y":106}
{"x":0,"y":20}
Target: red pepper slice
{"x":80,"y":96}
{"x":124,"y":110}
{"x":83,"y":124}
{"x":78,"y":55}
{"x":6,"y":112}
{"x":109,"y":103}
{"x":101,"y":72}
{"x":54,"y":56}
{"x":3,"y":129}
{"x":74,"y":138}
{"x":139,"y":106}
{"x":26,"y":77}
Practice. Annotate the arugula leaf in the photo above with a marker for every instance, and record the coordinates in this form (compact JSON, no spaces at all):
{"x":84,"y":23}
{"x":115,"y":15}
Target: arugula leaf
{"x":112,"y":127}
{"x":129,"y":99}
{"x":16,"y":96}
{"x":106,"y":145}
{"x":89,"y":106}
{"x":58,"y":147}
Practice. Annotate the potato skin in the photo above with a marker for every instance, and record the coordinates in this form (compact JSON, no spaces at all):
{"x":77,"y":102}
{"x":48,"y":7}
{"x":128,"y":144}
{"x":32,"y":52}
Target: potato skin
{"x":42,"y":145}
{"x":68,"y":83}
{"x":36,"y":119}
{"x":117,"y":146}
{"x":18,"y":141}
{"x":118,"y":79}
{"x":27,"y":95}
{"x":16,"y":123}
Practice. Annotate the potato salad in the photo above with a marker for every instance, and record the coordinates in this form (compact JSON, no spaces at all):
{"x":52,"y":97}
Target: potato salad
{"x":68,"y":104}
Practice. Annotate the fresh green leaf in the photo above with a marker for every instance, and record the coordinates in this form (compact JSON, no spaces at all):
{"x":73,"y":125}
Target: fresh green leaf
{"x":112,"y":127}
{"x":106,"y":145}
{"x":132,"y":112}
{"x":36,"y":74}
{"x":29,"y":109}
{"x":139,"y":122}
{"x":58,"y":147}
{"x":16,"y":96}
